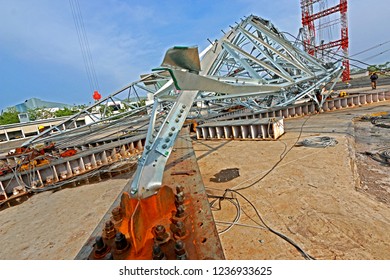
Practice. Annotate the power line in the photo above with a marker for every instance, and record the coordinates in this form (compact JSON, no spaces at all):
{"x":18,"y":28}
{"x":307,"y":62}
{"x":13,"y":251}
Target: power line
{"x":84,"y":45}
{"x":339,"y":55}
{"x":371,"y":48}
{"x":378,"y":54}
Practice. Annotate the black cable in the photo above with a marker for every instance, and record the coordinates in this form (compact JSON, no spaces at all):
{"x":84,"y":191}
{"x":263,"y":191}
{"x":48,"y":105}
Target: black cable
{"x":304,"y":254}
{"x":283,"y":155}
{"x":284,"y":237}
{"x":371,"y":48}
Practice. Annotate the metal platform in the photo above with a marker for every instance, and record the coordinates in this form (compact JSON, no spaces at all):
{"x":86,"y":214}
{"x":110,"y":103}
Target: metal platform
{"x":302,"y":109}
{"x":254,"y":129}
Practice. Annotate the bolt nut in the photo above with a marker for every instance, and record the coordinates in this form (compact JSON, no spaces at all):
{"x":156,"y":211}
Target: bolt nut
{"x":160,"y":233}
{"x":164,"y":146}
{"x":173,"y":128}
{"x":101,"y":249}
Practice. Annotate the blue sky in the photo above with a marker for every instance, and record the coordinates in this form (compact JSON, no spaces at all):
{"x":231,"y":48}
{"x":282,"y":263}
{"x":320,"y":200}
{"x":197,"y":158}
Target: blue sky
{"x":40,"y":54}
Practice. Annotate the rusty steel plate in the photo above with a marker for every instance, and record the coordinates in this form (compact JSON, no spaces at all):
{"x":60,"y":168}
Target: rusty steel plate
{"x":175,"y":223}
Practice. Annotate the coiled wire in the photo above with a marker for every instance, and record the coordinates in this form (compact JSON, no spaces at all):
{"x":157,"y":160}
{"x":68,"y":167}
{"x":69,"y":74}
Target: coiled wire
{"x":318,"y":142}
{"x":383,"y":121}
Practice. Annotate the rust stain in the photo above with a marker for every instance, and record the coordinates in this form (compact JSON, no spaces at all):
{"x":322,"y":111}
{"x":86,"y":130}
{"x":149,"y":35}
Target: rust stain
{"x":175,"y":223}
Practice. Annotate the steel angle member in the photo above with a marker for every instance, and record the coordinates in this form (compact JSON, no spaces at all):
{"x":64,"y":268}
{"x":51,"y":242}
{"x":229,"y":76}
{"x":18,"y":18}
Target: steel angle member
{"x":190,"y":81}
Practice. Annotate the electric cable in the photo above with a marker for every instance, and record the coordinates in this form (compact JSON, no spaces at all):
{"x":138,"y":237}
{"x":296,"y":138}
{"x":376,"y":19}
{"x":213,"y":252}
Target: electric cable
{"x":382,"y":121}
{"x":84,"y":45}
{"x":237,"y":191}
{"x":233,"y":201}
{"x":371,"y":48}
{"x":289,"y":240}
{"x":285,"y":153}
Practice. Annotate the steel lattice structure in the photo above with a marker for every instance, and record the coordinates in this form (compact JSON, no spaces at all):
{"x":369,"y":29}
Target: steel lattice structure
{"x":251,"y":66}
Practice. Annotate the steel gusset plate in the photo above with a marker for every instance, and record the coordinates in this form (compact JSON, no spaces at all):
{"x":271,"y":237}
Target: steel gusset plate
{"x":141,"y":220}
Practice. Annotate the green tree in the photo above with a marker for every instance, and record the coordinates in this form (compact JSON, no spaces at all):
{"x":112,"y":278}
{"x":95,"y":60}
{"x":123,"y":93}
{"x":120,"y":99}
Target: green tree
{"x":141,"y":103}
{"x":40,"y":113}
{"x":9,"y":116}
{"x":64,"y":112}
{"x":105,"y":110}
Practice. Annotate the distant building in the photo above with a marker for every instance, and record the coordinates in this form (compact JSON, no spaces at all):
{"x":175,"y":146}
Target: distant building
{"x":35,"y":103}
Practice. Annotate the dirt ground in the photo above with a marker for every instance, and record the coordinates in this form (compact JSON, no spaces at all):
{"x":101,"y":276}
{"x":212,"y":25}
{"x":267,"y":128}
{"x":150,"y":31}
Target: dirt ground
{"x":314,"y":196}
{"x":55,"y":225}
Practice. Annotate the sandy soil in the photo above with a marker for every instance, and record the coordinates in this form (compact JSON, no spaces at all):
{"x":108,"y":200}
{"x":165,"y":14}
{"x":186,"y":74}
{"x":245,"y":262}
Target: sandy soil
{"x":313,"y":197}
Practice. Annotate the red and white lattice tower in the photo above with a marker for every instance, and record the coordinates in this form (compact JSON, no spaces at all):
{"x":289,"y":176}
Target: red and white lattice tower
{"x":318,"y":20}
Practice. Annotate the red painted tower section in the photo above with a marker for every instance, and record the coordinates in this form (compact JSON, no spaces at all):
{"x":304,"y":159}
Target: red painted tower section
{"x":311,"y":21}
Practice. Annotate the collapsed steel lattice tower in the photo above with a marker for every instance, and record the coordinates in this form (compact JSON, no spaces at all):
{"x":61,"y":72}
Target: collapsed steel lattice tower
{"x":317,"y":17}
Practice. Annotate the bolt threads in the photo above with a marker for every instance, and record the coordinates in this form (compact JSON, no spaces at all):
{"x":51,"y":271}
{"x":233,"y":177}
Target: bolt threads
{"x":180,"y":229}
{"x":179,"y":189}
{"x":100,"y":246}
{"x":179,"y":199}
{"x":180,"y":250}
{"x":180,"y":211}
{"x":109,"y":230}
{"x":121,"y":243}
{"x":117,"y":214}
{"x":158,"y":254}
